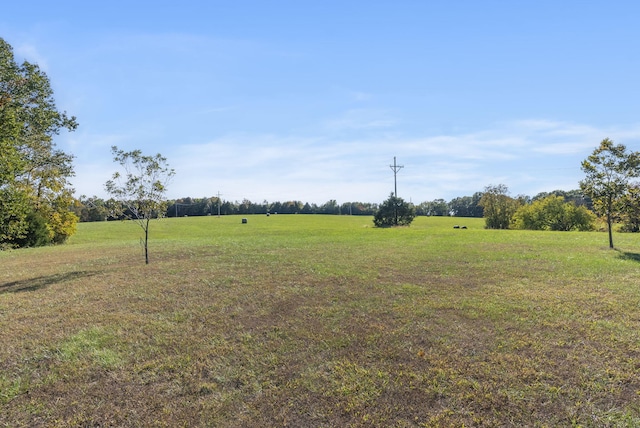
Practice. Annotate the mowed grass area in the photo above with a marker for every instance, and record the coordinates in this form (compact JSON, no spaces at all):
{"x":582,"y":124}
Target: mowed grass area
{"x":321,"y":321}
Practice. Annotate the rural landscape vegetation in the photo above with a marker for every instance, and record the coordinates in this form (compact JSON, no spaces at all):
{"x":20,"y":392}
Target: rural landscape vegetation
{"x":486,"y":310}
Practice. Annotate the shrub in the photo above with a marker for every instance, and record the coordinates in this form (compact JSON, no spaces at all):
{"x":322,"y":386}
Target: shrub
{"x":552,"y":213}
{"x":37,"y":234}
{"x":394,"y":212}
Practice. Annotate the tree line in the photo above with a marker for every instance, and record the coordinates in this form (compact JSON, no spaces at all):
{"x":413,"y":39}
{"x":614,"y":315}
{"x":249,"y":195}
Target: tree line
{"x":96,"y":209}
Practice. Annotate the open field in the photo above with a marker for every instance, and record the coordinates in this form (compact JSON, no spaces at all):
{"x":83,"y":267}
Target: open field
{"x":321,"y":321}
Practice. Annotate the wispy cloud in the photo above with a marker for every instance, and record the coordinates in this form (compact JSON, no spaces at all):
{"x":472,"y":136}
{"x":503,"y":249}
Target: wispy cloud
{"x":31,"y":54}
{"x":269,"y":105}
{"x":361,"y":96}
{"x":528,"y":156}
{"x":361,"y":119}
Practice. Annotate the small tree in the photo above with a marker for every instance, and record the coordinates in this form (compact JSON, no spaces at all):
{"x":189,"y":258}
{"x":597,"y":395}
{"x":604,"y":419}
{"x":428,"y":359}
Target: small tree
{"x":498,"y":206}
{"x":140,"y":193}
{"x":608,"y":172}
{"x":394,"y":212}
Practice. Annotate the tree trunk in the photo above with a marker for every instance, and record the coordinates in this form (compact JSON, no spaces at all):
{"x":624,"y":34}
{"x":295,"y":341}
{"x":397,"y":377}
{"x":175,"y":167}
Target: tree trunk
{"x":146,"y":242}
{"x":610,"y":231}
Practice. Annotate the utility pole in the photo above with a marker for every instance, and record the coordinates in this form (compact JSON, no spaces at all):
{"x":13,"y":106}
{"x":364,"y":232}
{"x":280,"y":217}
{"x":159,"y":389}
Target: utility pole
{"x":219,"y":194}
{"x":395,"y":168}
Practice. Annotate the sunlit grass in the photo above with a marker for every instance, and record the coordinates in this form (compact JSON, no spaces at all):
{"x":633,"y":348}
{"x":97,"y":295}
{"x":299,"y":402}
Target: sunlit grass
{"x":293,"y":320}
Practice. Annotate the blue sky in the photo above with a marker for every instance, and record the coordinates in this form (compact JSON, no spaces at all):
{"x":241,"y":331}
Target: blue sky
{"x":311,"y":100}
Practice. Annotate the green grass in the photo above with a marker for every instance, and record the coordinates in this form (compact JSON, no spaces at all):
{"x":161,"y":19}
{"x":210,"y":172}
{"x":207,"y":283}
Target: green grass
{"x":321,"y":321}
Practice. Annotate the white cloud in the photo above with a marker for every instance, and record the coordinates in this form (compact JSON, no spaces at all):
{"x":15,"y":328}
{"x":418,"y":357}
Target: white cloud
{"x":29,"y":52}
{"x":527,"y":156}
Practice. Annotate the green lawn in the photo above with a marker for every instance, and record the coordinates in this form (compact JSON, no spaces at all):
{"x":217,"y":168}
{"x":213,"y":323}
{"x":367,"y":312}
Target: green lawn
{"x":321,"y":321}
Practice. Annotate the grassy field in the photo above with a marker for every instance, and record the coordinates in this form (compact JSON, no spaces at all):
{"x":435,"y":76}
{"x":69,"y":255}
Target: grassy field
{"x":321,"y":321}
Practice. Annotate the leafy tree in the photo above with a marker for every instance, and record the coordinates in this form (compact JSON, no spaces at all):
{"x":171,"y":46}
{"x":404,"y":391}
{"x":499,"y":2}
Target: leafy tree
{"x":460,"y":206}
{"x":329,"y":207}
{"x":358,"y":208}
{"x":498,"y":206}
{"x":228,"y":208}
{"x":476,"y":210}
{"x":274,"y":207}
{"x":394,"y":212}
{"x":609,"y":170}
{"x":437,"y":207}
{"x":466,"y":206}
{"x":245,"y":207}
{"x":140,"y":193}
{"x":37,"y":233}
{"x":631,"y":209}
{"x":553,"y":213}
{"x":292,"y":207}
{"x":308,"y":209}
{"x":90,"y":209}
{"x":34,"y":174}
{"x":15,"y":208}
{"x":576,"y":196}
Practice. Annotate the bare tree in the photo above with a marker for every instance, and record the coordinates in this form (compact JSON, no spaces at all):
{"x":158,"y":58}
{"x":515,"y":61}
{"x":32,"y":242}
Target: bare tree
{"x":140,"y":191}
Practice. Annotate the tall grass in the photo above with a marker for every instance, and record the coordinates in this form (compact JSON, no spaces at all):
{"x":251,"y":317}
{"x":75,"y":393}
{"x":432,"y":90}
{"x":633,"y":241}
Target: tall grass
{"x":321,"y":321}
